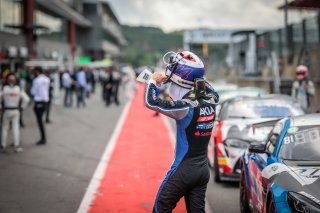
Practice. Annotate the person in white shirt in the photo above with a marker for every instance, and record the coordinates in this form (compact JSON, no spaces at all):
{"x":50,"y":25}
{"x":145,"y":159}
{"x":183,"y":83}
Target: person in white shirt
{"x":40,"y":92}
{"x":13,"y":99}
{"x":67,"y":83}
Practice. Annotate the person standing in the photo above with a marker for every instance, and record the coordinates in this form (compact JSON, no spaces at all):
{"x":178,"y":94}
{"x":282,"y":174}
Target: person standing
{"x":115,"y":87}
{"x":81,"y":84}
{"x":193,"y":104}
{"x":103,"y":82}
{"x":13,"y":100}
{"x":66,"y":84}
{"x":89,"y":80}
{"x":40,"y":92}
{"x":109,"y":85}
{"x":303,"y":88}
{"x":95,"y":73}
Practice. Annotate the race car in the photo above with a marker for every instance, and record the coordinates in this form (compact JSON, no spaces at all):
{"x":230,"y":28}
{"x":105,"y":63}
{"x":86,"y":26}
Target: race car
{"x":235,"y":115}
{"x":283,"y":174}
{"x":229,"y":92}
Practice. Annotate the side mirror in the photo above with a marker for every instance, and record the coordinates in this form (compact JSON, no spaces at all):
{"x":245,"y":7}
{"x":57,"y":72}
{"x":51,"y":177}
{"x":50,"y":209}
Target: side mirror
{"x":257,"y":148}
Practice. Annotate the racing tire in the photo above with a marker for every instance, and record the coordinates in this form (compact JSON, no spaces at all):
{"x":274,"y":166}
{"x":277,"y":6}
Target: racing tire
{"x":216,"y":175}
{"x":271,"y":207}
{"x":244,"y":201}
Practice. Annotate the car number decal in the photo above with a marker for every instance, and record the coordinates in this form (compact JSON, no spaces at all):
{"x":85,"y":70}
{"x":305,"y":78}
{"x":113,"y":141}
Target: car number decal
{"x":305,"y":136}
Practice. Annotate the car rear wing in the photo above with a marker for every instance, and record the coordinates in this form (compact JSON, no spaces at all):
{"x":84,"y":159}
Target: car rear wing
{"x":268,"y":123}
{"x":259,"y":131}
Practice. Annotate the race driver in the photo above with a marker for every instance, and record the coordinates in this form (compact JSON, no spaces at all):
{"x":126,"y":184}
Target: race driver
{"x":193,"y":108}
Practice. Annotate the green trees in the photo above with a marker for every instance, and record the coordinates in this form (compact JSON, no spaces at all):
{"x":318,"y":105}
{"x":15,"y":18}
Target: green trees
{"x":146,"y":45}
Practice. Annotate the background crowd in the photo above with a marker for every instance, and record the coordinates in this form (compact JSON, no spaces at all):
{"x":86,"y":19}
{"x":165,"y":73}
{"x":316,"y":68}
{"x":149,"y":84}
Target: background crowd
{"x":43,"y":87}
{"x":72,"y":88}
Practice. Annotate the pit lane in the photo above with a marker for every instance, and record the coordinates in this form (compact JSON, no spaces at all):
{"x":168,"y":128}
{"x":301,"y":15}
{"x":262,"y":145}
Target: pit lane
{"x":223,"y":197}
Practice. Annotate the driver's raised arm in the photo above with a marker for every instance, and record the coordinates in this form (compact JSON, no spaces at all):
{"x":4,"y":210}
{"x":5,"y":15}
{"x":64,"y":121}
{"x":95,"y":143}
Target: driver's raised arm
{"x":174,"y":109}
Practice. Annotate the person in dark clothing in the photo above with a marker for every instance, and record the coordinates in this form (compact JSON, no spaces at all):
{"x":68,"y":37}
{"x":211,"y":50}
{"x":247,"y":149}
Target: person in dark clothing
{"x":109,"y":86}
{"x":193,"y":107}
{"x":115,"y":87}
{"x":94,"y":80}
{"x":90,"y":80}
{"x":73,"y":91}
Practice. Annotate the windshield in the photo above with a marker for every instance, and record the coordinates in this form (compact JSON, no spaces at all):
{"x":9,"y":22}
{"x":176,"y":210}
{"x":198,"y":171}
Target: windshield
{"x":301,"y":144}
{"x":262,"y":109}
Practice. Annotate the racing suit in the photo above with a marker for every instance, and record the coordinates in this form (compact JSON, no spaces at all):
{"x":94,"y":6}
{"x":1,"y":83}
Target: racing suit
{"x":189,"y":173}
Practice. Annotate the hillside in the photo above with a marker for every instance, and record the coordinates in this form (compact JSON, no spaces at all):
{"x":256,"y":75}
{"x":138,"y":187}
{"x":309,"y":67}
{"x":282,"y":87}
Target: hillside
{"x":146,"y":45}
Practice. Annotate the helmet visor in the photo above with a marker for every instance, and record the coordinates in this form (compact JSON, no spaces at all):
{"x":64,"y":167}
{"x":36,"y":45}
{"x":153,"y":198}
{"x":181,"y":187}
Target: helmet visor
{"x":300,"y":74}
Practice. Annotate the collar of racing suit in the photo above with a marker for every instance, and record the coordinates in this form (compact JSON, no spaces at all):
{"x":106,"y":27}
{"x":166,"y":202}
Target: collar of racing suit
{"x":202,"y":91}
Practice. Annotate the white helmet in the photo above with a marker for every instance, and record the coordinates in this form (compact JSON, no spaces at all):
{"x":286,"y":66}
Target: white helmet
{"x":183,"y":68}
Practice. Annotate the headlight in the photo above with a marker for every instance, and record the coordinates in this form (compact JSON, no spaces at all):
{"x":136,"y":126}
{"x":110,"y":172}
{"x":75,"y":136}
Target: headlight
{"x":300,"y":203}
{"x":236,"y":143}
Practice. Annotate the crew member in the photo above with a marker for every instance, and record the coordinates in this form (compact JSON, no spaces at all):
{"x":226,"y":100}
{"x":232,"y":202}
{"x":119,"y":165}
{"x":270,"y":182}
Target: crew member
{"x":193,"y":107}
{"x":40,"y":92}
{"x":303,"y":88}
{"x":13,"y":100}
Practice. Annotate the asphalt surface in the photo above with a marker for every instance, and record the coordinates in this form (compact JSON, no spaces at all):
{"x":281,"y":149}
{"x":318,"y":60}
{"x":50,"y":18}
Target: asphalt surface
{"x":53,"y":178}
{"x":223,"y":197}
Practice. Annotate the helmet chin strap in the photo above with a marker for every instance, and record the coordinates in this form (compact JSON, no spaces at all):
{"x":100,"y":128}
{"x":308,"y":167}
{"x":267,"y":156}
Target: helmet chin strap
{"x":169,"y":77}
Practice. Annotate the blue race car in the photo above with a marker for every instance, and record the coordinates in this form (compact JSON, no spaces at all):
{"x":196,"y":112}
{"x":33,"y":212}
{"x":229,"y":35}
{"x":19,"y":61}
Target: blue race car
{"x":283,"y":174}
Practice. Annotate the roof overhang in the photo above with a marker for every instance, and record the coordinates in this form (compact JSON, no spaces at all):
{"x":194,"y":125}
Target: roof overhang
{"x":106,"y":5}
{"x":243,"y":32}
{"x":302,"y":5}
{"x":63,"y":10}
{"x":21,"y":27}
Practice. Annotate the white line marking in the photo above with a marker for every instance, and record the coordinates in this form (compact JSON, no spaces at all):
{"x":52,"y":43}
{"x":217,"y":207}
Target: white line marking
{"x":169,"y":123}
{"x":102,"y":166}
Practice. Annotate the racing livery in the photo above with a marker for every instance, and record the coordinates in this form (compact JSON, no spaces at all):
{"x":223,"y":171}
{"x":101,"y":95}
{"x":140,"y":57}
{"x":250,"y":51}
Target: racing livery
{"x":189,"y":173}
{"x":235,"y":116}
{"x":283,"y":174}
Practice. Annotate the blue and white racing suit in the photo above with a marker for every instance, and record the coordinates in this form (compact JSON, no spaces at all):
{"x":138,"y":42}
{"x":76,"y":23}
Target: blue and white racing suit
{"x":189,"y":173}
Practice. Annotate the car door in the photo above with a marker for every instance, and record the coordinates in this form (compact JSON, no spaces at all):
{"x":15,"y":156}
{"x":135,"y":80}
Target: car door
{"x":257,"y":162}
